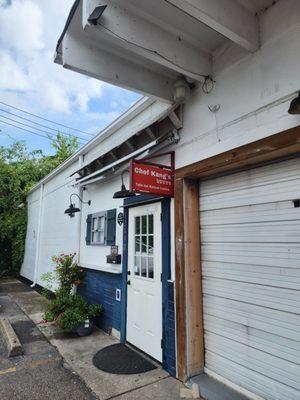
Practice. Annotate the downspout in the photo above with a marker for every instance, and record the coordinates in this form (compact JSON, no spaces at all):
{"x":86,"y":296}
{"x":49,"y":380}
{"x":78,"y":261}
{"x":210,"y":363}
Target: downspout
{"x":80,"y":161}
{"x":38,"y":237}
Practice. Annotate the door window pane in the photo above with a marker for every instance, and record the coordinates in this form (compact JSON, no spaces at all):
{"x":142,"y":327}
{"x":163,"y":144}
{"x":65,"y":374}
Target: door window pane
{"x":150,"y":224}
{"x":144,"y":224}
{"x":144,"y":244}
{"x":150,"y":244}
{"x":144,"y":266}
{"x":150,"y":268}
{"x":137,"y":265}
{"x":137,"y":225}
{"x":137,"y":244}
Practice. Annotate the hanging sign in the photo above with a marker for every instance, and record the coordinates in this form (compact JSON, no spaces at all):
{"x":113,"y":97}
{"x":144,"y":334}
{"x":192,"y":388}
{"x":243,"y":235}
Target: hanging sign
{"x":152,"y":178}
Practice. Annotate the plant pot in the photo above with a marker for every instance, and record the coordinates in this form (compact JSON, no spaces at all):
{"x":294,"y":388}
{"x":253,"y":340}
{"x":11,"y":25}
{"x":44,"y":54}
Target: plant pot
{"x":84,"y":329}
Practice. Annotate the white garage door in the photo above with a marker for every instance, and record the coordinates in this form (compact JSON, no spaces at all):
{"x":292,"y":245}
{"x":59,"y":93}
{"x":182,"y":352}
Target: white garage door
{"x":250,"y":231}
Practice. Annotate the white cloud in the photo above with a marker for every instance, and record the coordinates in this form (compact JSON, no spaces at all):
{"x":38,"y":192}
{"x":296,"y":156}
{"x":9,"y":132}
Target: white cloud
{"x":29,"y":79}
{"x":11,"y":75}
{"x":21,"y":26}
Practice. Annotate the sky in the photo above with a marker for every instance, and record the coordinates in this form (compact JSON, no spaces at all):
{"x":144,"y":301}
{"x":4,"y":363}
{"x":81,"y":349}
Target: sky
{"x":31,"y":81}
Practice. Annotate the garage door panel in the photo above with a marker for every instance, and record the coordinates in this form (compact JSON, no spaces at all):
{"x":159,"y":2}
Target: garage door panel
{"x":267,"y":342}
{"x":283,"y":255}
{"x":268,"y":276}
{"x":286,"y":171}
{"x":267,"y":388}
{"x":250,"y":252}
{"x":258,"y":361}
{"x":269,"y":212}
{"x":274,"y":298}
{"x":267,"y":320}
{"x":273,"y":232}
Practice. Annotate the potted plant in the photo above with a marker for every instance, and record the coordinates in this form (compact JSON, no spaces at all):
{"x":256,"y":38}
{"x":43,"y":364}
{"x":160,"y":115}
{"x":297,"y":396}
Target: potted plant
{"x":69,"y":309}
{"x":78,"y":316}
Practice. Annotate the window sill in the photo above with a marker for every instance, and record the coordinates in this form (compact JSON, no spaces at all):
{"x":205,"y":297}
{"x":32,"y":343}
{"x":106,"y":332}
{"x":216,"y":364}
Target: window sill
{"x":112,"y":269}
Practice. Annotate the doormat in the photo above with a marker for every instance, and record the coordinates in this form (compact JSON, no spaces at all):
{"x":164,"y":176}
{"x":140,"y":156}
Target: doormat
{"x":121,"y":360}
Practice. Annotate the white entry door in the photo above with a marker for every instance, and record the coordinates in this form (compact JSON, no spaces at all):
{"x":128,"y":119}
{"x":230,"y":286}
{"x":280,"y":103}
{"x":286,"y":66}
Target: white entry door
{"x":144,"y":287}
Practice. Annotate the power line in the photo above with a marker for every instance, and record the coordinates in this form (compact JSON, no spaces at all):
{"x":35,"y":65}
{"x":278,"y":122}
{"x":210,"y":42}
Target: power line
{"x":45,"y":119}
{"x":34,"y":133}
{"x":29,"y":126}
{"x":43,"y":126}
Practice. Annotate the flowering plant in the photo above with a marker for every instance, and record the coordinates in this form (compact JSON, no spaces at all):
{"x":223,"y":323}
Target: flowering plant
{"x":67,"y":271}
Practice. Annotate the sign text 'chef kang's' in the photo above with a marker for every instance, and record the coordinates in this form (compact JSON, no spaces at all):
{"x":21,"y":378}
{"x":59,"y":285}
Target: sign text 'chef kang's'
{"x":151,"y":178}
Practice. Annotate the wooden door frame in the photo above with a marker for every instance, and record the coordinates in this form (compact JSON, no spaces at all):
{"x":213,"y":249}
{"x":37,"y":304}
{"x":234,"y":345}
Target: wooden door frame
{"x":188,"y":286}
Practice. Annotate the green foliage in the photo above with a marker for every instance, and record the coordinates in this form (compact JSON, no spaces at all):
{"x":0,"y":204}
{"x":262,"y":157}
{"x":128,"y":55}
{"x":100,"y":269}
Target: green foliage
{"x":21,"y":169}
{"x":67,"y":272}
{"x":70,"y":311}
{"x":67,"y":309}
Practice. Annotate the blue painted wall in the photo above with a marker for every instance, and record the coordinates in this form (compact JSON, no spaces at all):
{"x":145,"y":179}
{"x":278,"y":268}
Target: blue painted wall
{"x":100,"y":288}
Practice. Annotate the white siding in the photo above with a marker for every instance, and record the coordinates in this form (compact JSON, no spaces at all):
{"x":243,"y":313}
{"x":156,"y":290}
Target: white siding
{"x":250,"y":232}
{"x":101,"y":196}
{"x":59,"y":232}
{"x":27,"y":269}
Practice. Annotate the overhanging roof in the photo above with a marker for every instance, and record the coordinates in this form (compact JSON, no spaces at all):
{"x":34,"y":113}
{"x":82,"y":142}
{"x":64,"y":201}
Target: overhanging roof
{"x":138,"y":117}
{"x":145,"y":48}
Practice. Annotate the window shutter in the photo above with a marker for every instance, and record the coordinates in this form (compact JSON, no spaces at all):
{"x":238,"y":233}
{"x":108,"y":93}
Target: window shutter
{"x":111,"y":227}
{"x":88,"y":229}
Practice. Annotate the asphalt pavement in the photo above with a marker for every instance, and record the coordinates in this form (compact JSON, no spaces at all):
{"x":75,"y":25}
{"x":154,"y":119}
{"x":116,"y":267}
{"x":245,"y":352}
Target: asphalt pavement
{"x":39,"y":374}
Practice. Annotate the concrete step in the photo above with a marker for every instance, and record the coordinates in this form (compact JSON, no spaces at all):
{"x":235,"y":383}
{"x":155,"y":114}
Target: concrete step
{"x":10,"y":339}
{"x":211,"y":389}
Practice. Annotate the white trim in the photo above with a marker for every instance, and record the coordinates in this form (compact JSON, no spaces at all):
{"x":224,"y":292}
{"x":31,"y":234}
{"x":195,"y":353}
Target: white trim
{"x":112,"y":269}
{"x":120,"y":161}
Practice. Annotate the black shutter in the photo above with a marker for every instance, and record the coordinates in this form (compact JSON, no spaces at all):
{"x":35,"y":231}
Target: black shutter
{"x":111,"y":227}
{"x":88,"y":229}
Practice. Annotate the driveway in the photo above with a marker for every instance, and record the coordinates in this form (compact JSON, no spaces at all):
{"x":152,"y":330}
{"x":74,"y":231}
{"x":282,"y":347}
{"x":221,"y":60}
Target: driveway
{"x":39,"y":373}
{"x":59,"y":366}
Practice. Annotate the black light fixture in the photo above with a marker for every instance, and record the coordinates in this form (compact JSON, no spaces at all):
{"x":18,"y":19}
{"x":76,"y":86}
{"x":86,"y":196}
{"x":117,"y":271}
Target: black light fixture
{"x":121,"y":194}
{"x":96,"y":14}
{"x":71,"y":210}
{"x":295,"y":105}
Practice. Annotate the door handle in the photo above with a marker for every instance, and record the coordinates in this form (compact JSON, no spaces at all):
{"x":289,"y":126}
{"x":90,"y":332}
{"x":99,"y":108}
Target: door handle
{"x":128,"y":282}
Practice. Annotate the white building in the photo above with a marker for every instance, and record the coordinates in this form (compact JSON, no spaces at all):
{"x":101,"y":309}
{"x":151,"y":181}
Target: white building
{"x":228,"y":244}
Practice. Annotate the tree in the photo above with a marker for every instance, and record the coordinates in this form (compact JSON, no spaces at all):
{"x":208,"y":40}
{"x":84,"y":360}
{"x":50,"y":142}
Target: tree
{"x":19,"y":171}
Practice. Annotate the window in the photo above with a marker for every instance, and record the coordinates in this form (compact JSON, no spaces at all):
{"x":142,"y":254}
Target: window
{"x":101,"y":228}
{"x":143,"y":251}
{"x":98,"y":228}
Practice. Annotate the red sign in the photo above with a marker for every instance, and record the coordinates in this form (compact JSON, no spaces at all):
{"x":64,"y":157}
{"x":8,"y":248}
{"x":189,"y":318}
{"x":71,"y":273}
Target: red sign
{"x":151,"y":178}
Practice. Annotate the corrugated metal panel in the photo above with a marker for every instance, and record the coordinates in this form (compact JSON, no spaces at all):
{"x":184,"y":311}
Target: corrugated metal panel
{"x":250,"y":232}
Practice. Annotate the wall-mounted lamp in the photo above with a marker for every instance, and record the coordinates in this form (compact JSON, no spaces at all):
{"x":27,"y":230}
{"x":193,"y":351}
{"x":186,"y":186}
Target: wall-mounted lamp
{"x":72,"y":209}
{"x":121,"y":194}
{"x":295,"y":105}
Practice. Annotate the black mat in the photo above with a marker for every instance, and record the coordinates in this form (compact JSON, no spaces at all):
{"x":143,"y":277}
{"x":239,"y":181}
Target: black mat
{"x":120,"y":359}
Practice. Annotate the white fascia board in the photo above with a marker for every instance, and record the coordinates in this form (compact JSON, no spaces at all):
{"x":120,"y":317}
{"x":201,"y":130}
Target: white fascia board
{"x":227,"y":17}
{"x":134,"y":111}
{"x":140,"y":37}
{"x":82,"y":54}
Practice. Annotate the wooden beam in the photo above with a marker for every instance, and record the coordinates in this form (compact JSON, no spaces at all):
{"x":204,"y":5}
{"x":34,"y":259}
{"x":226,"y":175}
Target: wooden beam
{"x":193,"y":283}
{"x":189,"y":320}
{"x":180,"y":280}
{"x":138,"y":35}
{"x":227,"y":17}
{"x":280,"y":145}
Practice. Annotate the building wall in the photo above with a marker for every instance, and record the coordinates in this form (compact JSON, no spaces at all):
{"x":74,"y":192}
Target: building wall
{"x":101,"y":196}
{"x":100,"y":288}
{"x":33,"y":206}
{"x":58,"y":232}
{"x":252,"y":90}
